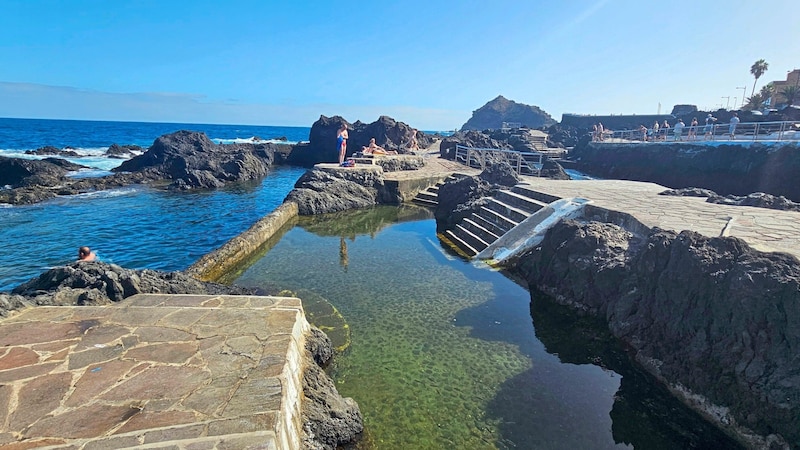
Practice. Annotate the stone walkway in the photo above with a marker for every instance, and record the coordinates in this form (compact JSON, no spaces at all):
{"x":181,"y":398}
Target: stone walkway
{"x":764,"y":229}
{"x":154,"y":371}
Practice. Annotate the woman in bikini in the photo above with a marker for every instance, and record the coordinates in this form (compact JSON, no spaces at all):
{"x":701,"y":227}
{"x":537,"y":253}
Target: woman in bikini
{"x":341,"y":141}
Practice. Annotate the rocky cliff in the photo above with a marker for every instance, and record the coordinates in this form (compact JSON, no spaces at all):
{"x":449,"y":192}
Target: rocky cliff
{"x":711,"y":317}
{"x":724,"y":168}
{"x":493,"y":114}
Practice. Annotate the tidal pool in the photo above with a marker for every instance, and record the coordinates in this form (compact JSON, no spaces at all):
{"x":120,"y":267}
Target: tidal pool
{"x":445,"y":354}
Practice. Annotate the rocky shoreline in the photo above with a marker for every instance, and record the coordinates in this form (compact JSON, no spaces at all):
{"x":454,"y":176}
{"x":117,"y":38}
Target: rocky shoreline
{"x":329,"y":420}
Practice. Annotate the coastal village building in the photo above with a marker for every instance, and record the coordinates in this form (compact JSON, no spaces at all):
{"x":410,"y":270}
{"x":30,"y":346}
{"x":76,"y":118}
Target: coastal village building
{"x":792,"y":79}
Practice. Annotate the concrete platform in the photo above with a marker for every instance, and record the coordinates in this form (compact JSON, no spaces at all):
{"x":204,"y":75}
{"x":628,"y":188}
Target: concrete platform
{"x":764,"y":229}
{"x":154,"y":371}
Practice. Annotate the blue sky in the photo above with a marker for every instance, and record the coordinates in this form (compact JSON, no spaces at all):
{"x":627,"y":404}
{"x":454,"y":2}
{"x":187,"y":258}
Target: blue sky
{"x":426,"y":63}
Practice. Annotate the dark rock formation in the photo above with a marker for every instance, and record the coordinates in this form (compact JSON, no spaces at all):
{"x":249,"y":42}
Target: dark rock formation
{"x":329,"y":421}
{"x":495,"y":112}
{"x":323,"y":191}
{"x":756,"y":199}
{"x":475,"y":139}
{"x":31,"y":181}
{"x":725,"y":169}
{"x":460,"y":197}
{"x":123,"y":151}
{"x":191,"y":160}
{"x":563,"y":136}
{"x":707,"y":315}
{"x":388,"y":133}
{"x":98,"y":283}
{"x":52,"y":151}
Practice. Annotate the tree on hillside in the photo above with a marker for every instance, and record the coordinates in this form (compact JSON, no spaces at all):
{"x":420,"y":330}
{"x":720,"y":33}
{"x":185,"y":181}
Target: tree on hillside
{"x":790,"y":93}
{"x":754,"y":102}
{"x":757,"y":69}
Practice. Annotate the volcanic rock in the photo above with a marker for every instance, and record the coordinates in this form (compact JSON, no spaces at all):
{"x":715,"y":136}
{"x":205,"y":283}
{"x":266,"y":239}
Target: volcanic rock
{"x":495,"y":112}
{"x":193,"y":161}
{"x":708,"y":316}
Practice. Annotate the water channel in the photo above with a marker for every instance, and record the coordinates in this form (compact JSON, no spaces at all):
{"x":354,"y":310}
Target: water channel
{"x":445,"y":354}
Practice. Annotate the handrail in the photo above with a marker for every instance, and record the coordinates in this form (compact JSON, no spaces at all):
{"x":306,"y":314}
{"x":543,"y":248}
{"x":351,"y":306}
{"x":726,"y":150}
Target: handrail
{"x":744,"y":131}
{"x":523,"y":163}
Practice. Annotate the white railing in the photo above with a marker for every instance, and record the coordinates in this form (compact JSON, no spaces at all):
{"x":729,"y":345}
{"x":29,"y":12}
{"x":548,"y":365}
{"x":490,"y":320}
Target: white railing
{"x":745,"y":131}
{"x":524,"y":163}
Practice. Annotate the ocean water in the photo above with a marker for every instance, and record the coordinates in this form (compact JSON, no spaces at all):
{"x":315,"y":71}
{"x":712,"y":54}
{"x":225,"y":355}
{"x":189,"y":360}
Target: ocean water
{"x":136,"y":226}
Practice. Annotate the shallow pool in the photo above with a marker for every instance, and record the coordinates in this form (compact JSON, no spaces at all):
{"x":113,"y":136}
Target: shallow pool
{"x":445,"y":354}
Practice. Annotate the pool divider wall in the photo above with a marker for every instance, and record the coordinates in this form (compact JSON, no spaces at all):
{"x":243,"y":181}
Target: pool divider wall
{"x":212,"y":266}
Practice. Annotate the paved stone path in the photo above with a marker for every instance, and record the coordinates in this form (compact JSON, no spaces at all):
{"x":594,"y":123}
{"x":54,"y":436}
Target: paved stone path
{"x":764,"y":229}
{"x":153,"y":371}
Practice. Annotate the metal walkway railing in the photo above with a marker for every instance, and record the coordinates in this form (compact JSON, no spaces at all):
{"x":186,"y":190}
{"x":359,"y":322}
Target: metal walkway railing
{"x":524,"y":163}
{"x":745,"y":131}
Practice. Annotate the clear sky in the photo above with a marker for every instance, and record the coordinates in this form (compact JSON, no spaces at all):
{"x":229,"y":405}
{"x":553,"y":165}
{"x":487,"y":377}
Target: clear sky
{"x":426,"y":63}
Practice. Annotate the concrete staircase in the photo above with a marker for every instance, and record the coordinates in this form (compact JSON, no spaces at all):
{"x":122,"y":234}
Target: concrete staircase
{"x":504,"y":212}
{"x":429,"y":197}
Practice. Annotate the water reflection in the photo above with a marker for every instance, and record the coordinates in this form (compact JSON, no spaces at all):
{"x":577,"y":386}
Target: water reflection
{"x":444,"y":354}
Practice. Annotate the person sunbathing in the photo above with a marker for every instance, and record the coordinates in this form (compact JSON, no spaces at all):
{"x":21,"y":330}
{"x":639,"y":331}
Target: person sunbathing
{"x":375,"y":149}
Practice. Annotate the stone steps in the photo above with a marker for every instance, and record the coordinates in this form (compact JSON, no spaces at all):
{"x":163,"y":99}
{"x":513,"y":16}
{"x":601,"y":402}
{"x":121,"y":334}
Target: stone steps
{"x":430,"y":196}
{"x":504,"y":212}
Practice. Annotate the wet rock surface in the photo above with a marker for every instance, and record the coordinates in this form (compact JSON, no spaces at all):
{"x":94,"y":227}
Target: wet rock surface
{"x":710,"y":315}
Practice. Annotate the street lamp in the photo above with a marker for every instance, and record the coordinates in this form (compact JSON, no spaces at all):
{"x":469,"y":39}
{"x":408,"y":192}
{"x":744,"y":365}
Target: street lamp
{"x":728,"y":105}
{"x":744,"y":93}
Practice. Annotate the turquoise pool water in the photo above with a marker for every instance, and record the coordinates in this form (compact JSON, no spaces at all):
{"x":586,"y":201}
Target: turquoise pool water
{"x":449,"y":355}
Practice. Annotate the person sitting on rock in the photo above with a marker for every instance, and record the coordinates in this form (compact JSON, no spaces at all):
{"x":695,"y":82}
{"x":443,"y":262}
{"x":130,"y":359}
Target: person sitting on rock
{"x":375,"y":149}
{"x":413,"y":144}
{"x":86,"y":254}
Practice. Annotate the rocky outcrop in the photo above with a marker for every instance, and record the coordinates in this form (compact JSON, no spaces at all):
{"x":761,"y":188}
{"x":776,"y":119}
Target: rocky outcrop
{"x":756,"y":199}
{"x":322,"y":147}
{"x":471,"y":138}
{"x":726,"y":169}
{"x":500,"y":109}
{"x":98,"y":283}
{"x":711,"y":317}
{"x":329,"y":420}
{"x":52,"y":151}
{"x":188,"y":159}
{"x":458,"y":198}
{"x":123,"y":151}
{"x":191,"y":160}
{"x":324,"y":191}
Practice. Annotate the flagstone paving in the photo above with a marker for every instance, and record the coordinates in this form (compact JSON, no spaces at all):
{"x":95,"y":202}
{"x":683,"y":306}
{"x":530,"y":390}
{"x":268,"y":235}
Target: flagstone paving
{"x":764,"y":229}
{"x":154,"y":371}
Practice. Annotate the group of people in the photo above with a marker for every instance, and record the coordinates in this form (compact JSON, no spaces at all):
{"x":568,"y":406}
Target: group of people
{"x":598,"y":132}
{"x":372,"y":148}
{"x":660,"y":132}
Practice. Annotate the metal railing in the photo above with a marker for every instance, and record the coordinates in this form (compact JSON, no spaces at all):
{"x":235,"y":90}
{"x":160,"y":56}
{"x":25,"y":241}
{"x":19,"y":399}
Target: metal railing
{"x":744,"y":131}
{"x":524,"y":163}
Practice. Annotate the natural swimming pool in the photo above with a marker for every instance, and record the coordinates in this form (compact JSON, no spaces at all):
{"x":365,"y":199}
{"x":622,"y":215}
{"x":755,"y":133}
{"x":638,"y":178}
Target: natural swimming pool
{"x":447,"y":354}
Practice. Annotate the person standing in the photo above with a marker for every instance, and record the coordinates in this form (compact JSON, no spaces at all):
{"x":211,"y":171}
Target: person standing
{"x":665,"y":129}
{"x":643,"y":130}
{"x":678,"y":130}
{"x":341,"y":141}
{"x":732,"y":128}
{"x":709,"y":130}
{"x":693,"y":129}
{"x":600,"y":131}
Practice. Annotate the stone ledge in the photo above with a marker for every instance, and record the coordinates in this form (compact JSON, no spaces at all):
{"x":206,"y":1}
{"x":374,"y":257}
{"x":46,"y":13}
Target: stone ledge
{"x":154,"y":371}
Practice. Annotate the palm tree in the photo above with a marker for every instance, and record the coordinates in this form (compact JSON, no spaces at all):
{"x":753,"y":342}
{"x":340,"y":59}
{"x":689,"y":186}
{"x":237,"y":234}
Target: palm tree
{"x":754,"y":103}
{"x":790,"y":93}
{"x":757,"y":69}
{"x":767,"y":91}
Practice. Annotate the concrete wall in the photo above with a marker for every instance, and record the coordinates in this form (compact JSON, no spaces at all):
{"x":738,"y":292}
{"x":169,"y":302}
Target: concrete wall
{"x":214,"y":265}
